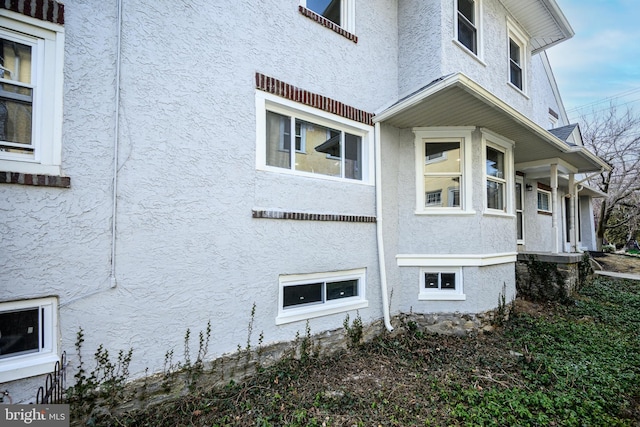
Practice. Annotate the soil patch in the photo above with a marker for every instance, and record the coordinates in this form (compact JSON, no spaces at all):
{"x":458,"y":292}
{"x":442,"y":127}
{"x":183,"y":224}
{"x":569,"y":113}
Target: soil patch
{"x":618,"y":263}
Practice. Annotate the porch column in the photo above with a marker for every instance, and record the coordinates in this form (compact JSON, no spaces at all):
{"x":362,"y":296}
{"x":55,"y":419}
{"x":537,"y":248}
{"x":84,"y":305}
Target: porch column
{"x":573,"y":237}
{"x":554,"y":207}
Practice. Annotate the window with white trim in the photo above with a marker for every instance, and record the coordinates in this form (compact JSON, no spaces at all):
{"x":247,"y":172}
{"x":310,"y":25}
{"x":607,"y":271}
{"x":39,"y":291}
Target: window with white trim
{"x":340,"y":12}
{"x":441,"y":283}
{"x":519,"y":210}
{"x":28,"y":338}
{"x":31,"y":60}
{"x":517,"y":49}
{"x":443,"y":177}
{"x":544,"y":201}
{"x":498,"y":174}
{"x":326,"y":145}
{"x":304,"y":296}
{"x":467,"y":22}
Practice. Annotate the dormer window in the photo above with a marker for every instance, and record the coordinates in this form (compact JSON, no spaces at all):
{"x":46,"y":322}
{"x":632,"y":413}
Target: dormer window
{"x":468,"y":24}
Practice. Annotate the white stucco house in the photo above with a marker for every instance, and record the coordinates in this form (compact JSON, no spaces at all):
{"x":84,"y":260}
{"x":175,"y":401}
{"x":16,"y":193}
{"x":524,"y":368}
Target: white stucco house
{"x":166,"y":164}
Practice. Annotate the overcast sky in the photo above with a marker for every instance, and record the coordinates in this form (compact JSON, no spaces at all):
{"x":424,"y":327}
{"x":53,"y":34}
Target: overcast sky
{"x":602,"y":60}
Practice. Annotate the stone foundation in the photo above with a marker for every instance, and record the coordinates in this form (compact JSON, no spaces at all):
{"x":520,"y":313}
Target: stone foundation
{"x":550,"y":277}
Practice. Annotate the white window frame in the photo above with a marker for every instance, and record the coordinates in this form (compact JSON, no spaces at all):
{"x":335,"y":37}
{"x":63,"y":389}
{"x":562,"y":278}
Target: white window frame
{"x":444,"y":134}
{"x":548,"y":194}
{"x":47,"y":41}
{"x":37,"y":363}
{"x":427,"y":294}
{"x":515,"y":34}
{"x":520,"y":180}
{"x":268,"y":102}
{"x":477,"y":25}
{"x":505,"y":146}
{"x":347,"y":14}
{"x":325,"y":307}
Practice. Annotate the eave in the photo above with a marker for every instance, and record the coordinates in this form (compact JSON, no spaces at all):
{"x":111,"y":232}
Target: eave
{"x":543,"y":20}
{"x":456,"y":100}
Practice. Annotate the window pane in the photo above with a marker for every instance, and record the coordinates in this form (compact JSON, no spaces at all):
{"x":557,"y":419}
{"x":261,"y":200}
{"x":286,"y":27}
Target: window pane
{"x":519,"y":225}
{"x":330,"y":9}
{"x":278,"y":140}
{"x":514,"y":52}
{"x":449,"y":188}
{"x":515,"y":75}
{"x":343,"y":289}
{"x":353,"y":156}
{"x":15,"y":101}
{"x":19,"y":332}
{"x":433,"y":198}
{"x":302,"y":294}
{"x":431,"y":280}
{"x":495,"y":195}
{"x":447,"y":280}
{"x":466,"y":9}
{"x":518,"y":196}
{"x":495,"y":163}
{"x":323,"y":150}
{"x":442,"y":157}
{"x":543,"y":201}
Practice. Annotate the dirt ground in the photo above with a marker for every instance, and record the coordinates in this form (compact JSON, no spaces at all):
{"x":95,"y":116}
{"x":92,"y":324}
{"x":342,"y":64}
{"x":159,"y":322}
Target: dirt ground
{"x":617,"y":262}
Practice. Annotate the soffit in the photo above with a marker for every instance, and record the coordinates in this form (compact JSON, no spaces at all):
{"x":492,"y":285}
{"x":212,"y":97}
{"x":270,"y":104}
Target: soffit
{"x":457,"y":101}
{"x":542,"y":20}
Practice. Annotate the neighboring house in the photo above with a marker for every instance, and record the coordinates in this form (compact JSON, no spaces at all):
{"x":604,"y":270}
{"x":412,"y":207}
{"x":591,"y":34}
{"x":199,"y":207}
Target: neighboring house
{"x":170,"y":164}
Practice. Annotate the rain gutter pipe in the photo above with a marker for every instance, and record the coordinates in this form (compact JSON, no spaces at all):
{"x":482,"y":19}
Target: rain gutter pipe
{"x":116,"y":144}
{"x":381,"y":261}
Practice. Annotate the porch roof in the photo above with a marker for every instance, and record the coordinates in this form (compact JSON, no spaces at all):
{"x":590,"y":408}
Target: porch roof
{"x":456,"y":100}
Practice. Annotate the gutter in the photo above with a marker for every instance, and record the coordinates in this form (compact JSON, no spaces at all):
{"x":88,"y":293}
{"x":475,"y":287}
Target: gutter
{"x":379,"y":234}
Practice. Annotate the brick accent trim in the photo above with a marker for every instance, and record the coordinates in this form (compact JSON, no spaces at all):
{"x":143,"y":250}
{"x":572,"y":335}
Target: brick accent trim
{"x":35,"y":180}
{"x":326,"y":23}
{"x":306,"y":216}
{"x":44,"y":10}
{"x":292,"y":93}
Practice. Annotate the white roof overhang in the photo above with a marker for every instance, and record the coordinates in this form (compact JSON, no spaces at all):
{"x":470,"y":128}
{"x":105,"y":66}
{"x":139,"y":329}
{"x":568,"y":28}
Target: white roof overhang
{"x":543,"y":20}
{"x":456,"y":100}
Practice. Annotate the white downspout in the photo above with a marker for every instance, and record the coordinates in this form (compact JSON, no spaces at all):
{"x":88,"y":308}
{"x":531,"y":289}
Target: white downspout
{"x":116,"y":144}
{"x":381,"y":261}
{"x":554,"y":207}
{"x":573,"y":238}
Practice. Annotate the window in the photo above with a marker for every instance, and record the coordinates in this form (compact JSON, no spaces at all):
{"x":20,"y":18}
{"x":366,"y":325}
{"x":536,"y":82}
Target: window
{"x":441,"y":283}
{"x":544,"y":201}
{"x":517,"y":49}
{"x":496,"y":181}
{"x":305,"y":296}
{"x":519,"y":210}
{"x":442,"y":174}
{"x":326,"y":146}
{"x":467,"y":24}
{"x":27,"y":338}
{"x":30,"y":94}
{"x":499,"y":179}
{"x":340,"y":12}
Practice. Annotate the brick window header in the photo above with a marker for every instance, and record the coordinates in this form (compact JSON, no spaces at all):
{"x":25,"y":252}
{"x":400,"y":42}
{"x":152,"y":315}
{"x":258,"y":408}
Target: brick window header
{"x":292,"y":93}
{"x":44,"y":10}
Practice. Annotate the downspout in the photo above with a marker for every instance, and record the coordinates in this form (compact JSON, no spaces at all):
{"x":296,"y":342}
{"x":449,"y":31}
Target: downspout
{"x":573,"y":236}
{"x":381,"y":262}
{"x":116,"y":144}
{"x":554,"y":207}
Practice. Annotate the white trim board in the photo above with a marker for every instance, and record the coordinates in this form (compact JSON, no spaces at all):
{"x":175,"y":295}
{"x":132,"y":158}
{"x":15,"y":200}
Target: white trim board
{"x":455,"y":260}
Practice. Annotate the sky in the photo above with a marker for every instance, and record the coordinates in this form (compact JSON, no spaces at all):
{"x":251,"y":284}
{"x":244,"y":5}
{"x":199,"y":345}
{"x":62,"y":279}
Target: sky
{"x":600,"y":65}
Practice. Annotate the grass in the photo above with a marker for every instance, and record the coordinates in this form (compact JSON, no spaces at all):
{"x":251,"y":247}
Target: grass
{"x":554,"y":365}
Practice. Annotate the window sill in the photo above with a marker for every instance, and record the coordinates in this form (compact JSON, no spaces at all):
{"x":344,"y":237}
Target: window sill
{"x":517,"y":89}
{"x":37,"y":180}
{"x":545,"y":213}
{"x":27,"y":366}
{"x":468,"y":52}
{"x":326,"y":23}
{"x":498,"y":214}
{"x":296,"y":315}
{"x":441,"y":296}
{"x":447,"y":212}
